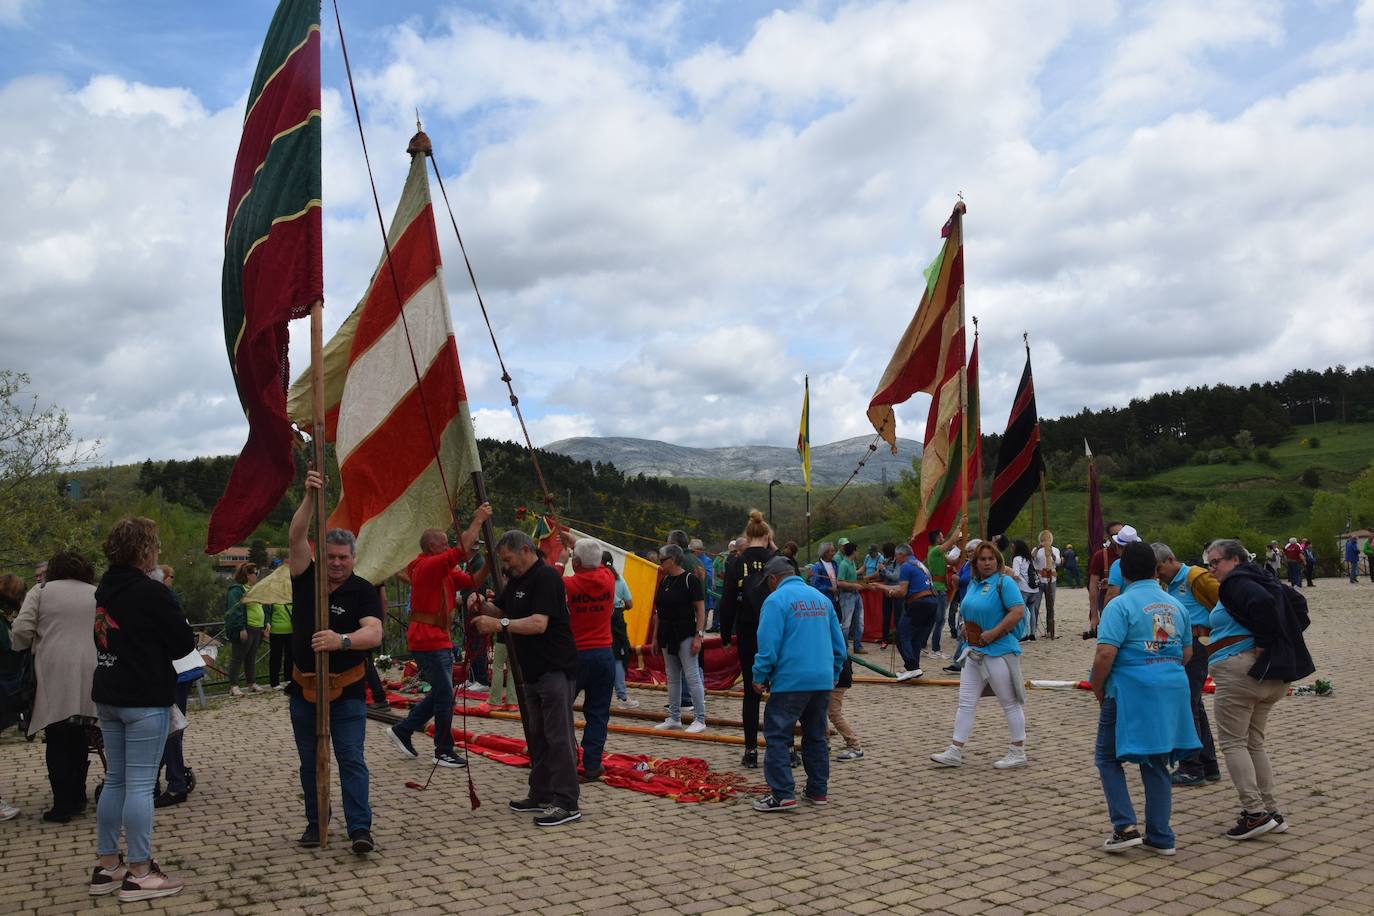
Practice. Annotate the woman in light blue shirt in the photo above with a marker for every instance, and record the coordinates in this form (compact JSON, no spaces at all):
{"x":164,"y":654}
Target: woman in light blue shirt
{"x":991,"y":609}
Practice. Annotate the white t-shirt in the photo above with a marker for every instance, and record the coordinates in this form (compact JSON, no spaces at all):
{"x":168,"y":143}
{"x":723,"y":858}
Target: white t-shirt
{"x":1020,"y":571}
{"x":1042,"y":567}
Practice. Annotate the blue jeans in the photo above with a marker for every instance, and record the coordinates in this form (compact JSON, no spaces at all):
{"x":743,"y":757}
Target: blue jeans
{"x":1295,"y":574}
{"x":596,"y":670}
{"x":941,"y":605}
{"x":134,"y":738}
{"x":780,"y":716}
{"x":347,"y":729}
{"x":913,"y":629}
{"x":683,"y":669}
{"x":620,"y":693}
{"x":437,"y":668}
{"x":1154,"y":773}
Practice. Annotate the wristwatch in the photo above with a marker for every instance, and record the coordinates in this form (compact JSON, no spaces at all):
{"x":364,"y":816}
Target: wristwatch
{"x":345,"y":642}
{"x":505,"y":622}
{"x":701,"y":634}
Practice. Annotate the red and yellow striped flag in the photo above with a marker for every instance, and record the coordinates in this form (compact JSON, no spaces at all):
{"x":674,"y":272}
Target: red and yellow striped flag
{"x":273,"y":268}
{"x":385,"y":422}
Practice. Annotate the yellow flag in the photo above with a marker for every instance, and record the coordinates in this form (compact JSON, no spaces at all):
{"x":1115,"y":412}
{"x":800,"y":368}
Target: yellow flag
{"x":804,"y":435}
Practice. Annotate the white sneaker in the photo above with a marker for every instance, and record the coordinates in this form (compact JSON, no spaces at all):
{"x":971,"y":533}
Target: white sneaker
{"x":477,"y":687}
{"x":627,"y":704}
{"x":235,"y":692}
{"x":669,"y":725}
{"x":8,"y":812}
{"x":908,"y":675}
{"x":697,"y":726}
{"x":254,"y":688}
{"x":950,"y":757}
{"x":1016,"y":757}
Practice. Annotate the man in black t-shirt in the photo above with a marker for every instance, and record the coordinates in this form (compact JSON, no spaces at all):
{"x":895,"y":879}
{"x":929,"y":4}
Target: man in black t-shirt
{"x":355,"y":625}
{"x":532,"y":611}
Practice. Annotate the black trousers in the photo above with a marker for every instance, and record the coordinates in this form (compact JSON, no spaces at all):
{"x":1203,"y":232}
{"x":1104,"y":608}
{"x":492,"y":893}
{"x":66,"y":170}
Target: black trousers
{"x":747,"y":646}
{"x":173,"y":761}
{"x":279,"y":659}
{"x":67,"y":760}
{"x":1202,"y":762}
{"x":374,"y":681}
{"x":552,"y":739}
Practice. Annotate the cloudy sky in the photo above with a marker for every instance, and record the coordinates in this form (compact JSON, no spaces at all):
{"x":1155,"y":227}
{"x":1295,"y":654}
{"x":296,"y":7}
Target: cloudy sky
{"x":676,"y":210}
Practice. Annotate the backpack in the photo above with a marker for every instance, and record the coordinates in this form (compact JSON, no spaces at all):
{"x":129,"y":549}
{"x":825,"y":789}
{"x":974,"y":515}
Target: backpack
{"x":1297,"y":604}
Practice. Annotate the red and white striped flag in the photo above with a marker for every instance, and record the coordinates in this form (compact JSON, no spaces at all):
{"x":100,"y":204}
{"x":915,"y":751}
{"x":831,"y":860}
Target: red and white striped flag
{"x":376,"y":410}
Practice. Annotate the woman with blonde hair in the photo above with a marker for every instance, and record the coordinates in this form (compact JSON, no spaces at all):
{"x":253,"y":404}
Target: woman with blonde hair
{"x":991,"y":608}
{"x":139,"y":632}
{"x":1046,"y":560}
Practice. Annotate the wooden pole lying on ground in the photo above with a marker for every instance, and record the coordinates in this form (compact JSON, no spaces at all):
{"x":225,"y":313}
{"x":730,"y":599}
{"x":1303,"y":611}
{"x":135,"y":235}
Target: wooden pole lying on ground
{"x":710,"y":693}
{"x":322,"y":742}
{"x":647,"y":732}
{"x":915,"y":681}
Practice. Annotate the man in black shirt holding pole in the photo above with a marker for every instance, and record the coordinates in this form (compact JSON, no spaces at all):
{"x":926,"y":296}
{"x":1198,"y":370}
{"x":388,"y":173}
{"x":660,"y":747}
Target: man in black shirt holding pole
{"x":532,"y":610}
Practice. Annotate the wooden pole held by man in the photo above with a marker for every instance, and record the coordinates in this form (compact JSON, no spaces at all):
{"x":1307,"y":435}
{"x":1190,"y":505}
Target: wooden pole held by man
{"x":322,"y":742}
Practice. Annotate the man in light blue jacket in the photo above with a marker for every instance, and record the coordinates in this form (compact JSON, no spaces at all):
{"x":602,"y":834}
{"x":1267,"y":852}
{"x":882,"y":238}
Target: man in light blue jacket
{"x":800,"y":653}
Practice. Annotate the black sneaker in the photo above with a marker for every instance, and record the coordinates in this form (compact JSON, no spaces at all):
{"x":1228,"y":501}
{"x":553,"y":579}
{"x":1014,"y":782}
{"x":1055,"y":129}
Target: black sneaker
{"x":450,"y":760}
{"x":796,"y":760}
{"x":167,"y":799}
{"x":1121,"y":840}
{"x":1280,"y":825}
{"x":1251,"y":825}
{"x":1181,"y":778}
{"x":1212,"y":777}
{"x":527,"y":806}
{"x":402,"y":743}
{"x":591,"y":775}
{"x":362,"y":841}
{"x":311,"y":838}
{"x":771,"y":804}
{"x":954,"y":669}
{"x":750,"y":760}
{"x":555,"y":816}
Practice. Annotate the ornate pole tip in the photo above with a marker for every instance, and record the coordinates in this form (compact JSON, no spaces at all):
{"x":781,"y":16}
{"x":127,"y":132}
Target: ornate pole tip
{"x":420,"y":144}
{"x":959,"y":207}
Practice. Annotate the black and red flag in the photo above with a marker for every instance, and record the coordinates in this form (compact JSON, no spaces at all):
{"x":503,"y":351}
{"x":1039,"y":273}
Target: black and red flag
{"x":1019,"y":463}
{"x":273,"y":264}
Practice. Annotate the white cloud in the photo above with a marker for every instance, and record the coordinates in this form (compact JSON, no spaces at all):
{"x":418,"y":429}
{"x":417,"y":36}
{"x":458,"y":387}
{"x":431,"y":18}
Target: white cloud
{"x":669,"y":236}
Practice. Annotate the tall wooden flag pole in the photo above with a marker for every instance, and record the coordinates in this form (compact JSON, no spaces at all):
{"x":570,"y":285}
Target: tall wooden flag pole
{"x":1044,"y":503}
{"x":978,"y":433}
{"x":963,"y":405}
{"x":498,"y":579}
{"x":804,"y":451}
{"x":322,"y":743}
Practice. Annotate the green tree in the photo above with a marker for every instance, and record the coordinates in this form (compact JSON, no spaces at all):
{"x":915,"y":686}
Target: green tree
{"x":1210,"y":521}
{"x":1330,"y":515}
{"x":36,"y":448}
{"x":1361,"y":493}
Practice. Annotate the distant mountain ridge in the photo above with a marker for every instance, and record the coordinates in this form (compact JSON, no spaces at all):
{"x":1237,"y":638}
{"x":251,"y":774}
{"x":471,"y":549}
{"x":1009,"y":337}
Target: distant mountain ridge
{"x":831,"y":464}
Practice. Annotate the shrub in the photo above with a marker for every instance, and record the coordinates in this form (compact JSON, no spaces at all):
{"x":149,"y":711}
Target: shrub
{"x":1278,"y":506}
{"x":1313,"y":442}
{"x":1265,"y":457}
{"x":1311,"y":478}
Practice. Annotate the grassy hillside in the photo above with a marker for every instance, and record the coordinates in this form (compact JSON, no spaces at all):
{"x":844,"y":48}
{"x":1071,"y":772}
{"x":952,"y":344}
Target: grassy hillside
{"x":1272,"y":498}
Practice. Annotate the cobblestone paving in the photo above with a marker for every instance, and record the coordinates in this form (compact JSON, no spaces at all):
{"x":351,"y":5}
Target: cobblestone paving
{"x":899,"y":835}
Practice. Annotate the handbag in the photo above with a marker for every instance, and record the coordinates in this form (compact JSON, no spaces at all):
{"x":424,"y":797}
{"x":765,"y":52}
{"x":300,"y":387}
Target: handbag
{"x":177,"y":721}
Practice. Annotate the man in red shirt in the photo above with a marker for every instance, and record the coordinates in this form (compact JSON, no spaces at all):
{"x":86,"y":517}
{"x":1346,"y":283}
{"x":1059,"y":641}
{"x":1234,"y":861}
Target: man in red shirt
{"x":1099,"y":592}
{"x":1292,"y":551}
{"x":434,"y":579}
{"x":591,"y":599}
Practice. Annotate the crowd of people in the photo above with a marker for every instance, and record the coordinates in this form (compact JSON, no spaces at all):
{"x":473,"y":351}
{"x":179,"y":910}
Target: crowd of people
{"x":110,"y":663}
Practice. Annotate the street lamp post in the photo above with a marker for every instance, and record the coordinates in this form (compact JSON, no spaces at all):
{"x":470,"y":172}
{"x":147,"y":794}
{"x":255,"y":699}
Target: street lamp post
{"x":771,"y":485}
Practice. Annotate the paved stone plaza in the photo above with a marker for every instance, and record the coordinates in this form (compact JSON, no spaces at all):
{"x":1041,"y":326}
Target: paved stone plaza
{"x":899,"y":835}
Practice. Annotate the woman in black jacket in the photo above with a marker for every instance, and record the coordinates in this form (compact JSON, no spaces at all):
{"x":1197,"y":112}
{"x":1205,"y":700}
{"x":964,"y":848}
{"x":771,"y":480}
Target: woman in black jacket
{"x":139,"y":632}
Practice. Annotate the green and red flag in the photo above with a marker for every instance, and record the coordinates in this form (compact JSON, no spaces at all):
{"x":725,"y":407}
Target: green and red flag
{"x":1019,"y":462}
{"x":932,"y":348}
{"x":941,"y":485}
{"x":273,"y":265}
